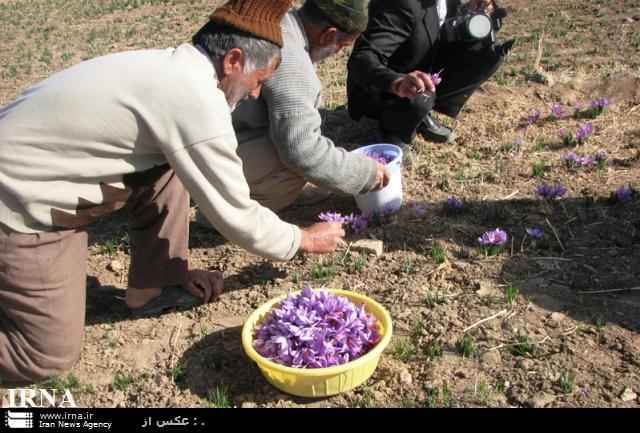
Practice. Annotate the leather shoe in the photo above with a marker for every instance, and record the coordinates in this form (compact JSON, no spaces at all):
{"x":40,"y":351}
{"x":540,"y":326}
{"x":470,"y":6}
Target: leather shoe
{"x":435,"y":131}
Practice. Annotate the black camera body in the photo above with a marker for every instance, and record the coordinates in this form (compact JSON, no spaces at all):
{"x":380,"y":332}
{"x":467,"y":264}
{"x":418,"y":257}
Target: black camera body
{"x":472,"y":27}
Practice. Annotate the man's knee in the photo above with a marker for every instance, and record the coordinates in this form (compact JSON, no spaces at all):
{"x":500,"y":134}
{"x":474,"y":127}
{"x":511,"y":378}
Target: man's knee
{"x":21,"y":362}
{"x":24,"y":359}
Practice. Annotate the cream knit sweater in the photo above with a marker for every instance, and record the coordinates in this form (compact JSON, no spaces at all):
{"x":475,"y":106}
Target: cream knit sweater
{"x":70,"y":138}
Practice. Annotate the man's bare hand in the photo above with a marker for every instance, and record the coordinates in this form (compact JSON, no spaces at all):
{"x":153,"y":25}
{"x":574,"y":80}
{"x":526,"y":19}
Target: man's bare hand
{"x":205,"y":285}
{"x":413,"y":84}
{"x":382,"y":178}
{"x":322,"y":238}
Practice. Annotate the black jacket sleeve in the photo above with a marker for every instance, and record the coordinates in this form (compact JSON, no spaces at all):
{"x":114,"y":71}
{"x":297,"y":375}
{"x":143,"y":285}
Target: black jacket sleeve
{"x":389,"y":28}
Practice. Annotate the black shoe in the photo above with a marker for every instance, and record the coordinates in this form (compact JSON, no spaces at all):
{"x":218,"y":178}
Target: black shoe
{"x":435,"y":131}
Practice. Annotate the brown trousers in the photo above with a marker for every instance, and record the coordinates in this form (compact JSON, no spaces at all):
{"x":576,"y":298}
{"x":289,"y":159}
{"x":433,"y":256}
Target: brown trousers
{"x":43,"y":276}
{"x":272,"y":184}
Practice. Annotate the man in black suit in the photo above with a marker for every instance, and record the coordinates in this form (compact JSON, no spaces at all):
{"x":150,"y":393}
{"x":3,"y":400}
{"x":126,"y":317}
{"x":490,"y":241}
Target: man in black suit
{"x":405,"y":41}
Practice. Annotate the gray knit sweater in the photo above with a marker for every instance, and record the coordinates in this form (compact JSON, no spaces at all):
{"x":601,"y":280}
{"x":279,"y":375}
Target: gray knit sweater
{"x":287,"y":112}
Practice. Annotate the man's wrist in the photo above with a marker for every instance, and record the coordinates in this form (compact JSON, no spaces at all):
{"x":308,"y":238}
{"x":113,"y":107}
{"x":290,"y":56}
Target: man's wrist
{"x":306,"y":242}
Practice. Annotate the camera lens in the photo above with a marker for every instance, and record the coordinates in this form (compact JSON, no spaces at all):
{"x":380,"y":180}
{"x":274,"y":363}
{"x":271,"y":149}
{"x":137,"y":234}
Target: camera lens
{"x":479,"y":26}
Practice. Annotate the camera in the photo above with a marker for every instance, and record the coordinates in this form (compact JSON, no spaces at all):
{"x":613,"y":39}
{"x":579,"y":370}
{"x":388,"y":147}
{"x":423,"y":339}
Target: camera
{"x":472,"y":27}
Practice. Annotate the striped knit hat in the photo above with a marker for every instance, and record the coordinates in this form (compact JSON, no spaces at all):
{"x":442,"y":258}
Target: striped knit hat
{"x":260,"y":18}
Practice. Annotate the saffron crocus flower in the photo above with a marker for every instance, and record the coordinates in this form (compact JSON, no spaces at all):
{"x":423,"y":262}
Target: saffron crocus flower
{"x":551,"y":192}
{"x":535,"y":232}
{"x":437,"y":78}
{"x":493,"y":238}
{"x":557,"y":111}
{"x":357,"y":223}
{"x":419,"y":210}
{"x":601,"y":156}
{"x":566,"y":136}
{"x":574,"y":160}
{"x":316,"y":329}
{"x":583,"y":132}
{"x":455,"y":204}
{"x":533,"y":117}
{"x":600,"y":104}
{"x":332,"y":217}
{"x":571,"y":159}
{"x":625,"y":194}
{"x":586,"y":161}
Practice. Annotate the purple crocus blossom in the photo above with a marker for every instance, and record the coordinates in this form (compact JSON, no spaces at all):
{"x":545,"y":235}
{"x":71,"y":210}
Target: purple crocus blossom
{"x":535,"y":232}
{"x":332,"y":217}
{"x":550,"y":192}
{"x":455,"y":204}
{"x":436,"y":78}
{"x":358,"y":223}
{"x":533,"y":117}
{"x":497,"y":237}
{"x":600,"y":104}
{"x":574,"y":160}
{"x":624,"y":194}
{"x":583,"y":132}
{"x":316,"y":329}
{"x":419,"y":210}
{"x":600,"y":156}
{"x":557,"y":111}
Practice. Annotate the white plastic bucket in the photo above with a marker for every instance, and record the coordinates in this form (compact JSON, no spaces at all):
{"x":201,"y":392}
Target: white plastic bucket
{"x":389,"y":199}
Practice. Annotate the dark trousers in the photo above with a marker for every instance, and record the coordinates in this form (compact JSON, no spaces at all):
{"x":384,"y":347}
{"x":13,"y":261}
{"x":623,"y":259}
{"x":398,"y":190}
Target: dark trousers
{"x":464,"y":68}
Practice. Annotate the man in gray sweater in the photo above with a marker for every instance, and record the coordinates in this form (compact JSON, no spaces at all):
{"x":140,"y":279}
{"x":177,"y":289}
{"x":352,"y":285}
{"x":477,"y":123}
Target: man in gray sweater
{"x":279,"y":137}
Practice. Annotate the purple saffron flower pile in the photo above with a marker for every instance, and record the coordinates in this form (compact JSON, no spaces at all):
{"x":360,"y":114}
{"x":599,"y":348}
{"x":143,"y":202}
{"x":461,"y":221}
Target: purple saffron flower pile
{"x":381,"y":157}
{"x":550,"y":192}
{"x":358,"y":223}
{"x":493,"y":238}
{"x":316,"y":329}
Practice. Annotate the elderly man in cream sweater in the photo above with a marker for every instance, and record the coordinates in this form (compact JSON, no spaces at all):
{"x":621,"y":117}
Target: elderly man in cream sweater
{"x":140,"y":130}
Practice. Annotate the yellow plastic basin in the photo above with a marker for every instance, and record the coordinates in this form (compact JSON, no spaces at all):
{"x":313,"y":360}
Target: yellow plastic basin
{"x":320,"y":382}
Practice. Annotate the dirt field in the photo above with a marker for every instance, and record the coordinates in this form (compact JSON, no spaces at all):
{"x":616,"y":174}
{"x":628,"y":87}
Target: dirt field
{"x":567,"y":306}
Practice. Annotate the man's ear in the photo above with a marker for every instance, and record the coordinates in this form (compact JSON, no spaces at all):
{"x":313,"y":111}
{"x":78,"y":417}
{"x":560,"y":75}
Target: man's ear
{"x":329,"y":36}
{"x":233,"y":61}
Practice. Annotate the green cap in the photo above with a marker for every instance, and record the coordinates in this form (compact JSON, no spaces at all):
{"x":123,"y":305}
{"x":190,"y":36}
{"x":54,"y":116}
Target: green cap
{"x":349,"y":16}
